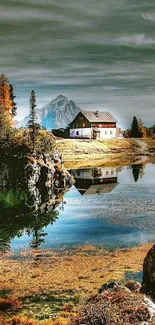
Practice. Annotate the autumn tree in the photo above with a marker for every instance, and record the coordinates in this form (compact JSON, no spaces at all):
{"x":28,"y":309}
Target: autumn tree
{"x":5,"y":100}
{"x":13,"y":104}
{"x":7,"y":107}
{"x":135,"y":133}
{"x":4,"y":123}
{"x":142,"y":129}
{"x":32,"y":123}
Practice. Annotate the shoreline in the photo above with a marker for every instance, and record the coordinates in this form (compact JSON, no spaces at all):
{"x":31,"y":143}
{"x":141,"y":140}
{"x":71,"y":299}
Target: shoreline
{"x":77,"y":153}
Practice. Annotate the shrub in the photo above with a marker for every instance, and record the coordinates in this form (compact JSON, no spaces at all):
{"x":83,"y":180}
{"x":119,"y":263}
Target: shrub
{"x":9,"y":304}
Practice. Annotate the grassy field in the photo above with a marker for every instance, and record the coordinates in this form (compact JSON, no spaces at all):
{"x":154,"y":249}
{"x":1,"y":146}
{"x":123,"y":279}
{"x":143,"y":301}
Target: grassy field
{"x":39,"y":274}
{"x":78,"y":153}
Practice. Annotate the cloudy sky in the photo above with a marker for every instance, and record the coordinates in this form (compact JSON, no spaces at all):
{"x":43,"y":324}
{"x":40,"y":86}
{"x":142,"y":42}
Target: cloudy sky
{"x":99,"y":53}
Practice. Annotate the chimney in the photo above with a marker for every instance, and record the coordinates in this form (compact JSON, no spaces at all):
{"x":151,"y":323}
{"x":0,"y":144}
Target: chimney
{"x":97,"y":113}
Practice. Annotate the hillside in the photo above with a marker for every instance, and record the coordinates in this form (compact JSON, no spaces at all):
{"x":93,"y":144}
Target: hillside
{"x":78,"y":152}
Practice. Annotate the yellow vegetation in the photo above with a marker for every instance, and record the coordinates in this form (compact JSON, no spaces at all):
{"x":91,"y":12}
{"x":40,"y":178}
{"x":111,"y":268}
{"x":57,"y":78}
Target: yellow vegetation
{"x":78,"y":153}
{"x":83,"y":270}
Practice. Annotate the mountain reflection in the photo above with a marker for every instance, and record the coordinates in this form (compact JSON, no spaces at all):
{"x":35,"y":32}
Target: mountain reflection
{"x":95,"y":180}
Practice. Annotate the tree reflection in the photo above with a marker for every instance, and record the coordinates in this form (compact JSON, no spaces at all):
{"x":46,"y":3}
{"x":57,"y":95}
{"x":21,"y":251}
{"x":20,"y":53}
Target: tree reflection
{"x":137,"y":171}
{"x":26,"y":209}
{"x":19,"y":219}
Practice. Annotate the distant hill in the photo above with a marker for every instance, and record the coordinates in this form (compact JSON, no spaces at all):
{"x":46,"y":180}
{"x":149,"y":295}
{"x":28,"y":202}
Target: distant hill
{"x":57,"y":114}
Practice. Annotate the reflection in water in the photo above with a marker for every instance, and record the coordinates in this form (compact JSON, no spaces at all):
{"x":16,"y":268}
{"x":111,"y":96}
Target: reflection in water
{"x":137,"y":171}
{"x":122,"y":215}
{"x":21,"y":214}
{"x":95,"y":180}
{"x":26,"y":207}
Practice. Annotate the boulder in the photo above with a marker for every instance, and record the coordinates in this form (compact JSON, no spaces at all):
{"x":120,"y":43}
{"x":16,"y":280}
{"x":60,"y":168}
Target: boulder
{"x":133,"y":286}
{"x":108,"y":285}
{"x":148,"y":282}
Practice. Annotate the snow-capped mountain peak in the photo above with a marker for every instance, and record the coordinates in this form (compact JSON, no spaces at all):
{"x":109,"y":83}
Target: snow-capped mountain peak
{"x":56,"y":114}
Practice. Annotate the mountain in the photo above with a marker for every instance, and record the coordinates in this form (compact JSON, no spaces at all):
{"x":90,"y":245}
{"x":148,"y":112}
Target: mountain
{"x":55,"y":115}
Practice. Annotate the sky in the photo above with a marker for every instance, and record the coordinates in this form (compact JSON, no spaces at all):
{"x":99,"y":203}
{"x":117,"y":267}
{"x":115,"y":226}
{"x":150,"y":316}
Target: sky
{"x":98,"y":53}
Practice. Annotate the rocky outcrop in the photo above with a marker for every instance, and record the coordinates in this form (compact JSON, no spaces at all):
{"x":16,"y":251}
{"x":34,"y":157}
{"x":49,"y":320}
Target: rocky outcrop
{"x":47,"y":170}
{"x":117,"y":304}
{"x":148,"y":283}
{"x":46,"y":178}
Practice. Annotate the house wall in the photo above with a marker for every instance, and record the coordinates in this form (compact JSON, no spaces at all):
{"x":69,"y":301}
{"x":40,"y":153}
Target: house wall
{"x":80,"y":122}
{"x":83,"y":133}
{"x":107,"y":172}
{"x":105,"y":133}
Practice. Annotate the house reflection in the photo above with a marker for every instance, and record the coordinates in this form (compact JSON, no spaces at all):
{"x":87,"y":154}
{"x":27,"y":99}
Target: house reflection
{"x":95,"y":180}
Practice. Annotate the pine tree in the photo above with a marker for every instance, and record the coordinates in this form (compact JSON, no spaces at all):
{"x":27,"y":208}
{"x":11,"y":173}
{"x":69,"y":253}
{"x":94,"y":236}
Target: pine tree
{"x":14,"y":105}
{"x":135,"y":133}
{"x":136,"y":170}
{"x":32,"y":123}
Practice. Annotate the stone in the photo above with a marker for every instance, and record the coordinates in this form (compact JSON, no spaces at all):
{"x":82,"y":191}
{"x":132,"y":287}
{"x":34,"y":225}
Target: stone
{"x":133,"y":286}
{"x":108,"y":285}
{"x":148,"y":282}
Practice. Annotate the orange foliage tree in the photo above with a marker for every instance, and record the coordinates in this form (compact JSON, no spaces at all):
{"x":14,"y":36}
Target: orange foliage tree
{"x":7,"y":107}
{"x":5,"y":99}
{"x":6,"y":103}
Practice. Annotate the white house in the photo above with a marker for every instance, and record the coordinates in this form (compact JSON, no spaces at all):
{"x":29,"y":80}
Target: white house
{"x":93,"y":125}
{"x":95,"y":180}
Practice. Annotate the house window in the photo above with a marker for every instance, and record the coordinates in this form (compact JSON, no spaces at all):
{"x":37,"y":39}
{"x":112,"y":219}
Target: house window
{"x":111,"y":132}
{"x":106,"y":132}
{"x":112,"y":172}
{"x":83,"y":125}
{"x":107,"y":172}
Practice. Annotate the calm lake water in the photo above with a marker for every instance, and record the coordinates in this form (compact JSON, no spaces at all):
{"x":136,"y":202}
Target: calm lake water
{"x":112,"y":207}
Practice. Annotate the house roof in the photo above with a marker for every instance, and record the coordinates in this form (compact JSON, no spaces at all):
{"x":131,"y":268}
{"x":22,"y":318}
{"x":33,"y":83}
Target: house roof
{"x":97,"y":116}
{"x":100,"y":189}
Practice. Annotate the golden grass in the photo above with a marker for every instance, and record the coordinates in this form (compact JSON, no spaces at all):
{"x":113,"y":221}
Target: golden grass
{"x":79,"y":153}
{"x":84,"y":270}
{"x":80,"y":271}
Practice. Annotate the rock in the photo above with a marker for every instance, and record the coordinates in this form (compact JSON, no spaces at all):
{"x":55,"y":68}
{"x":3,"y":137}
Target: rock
{"x":32,"y":173}
{"x":148,"y":282}
{"x":108,"y":285}
{"x":133,"y":286}
{"x":117,"y":305}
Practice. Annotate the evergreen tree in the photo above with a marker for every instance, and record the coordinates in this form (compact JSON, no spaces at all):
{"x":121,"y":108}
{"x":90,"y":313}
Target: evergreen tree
{"x":135,"y":133}
{"x":14,"y":105}
{"x":32,"y":123}
{"x":136,"y":171}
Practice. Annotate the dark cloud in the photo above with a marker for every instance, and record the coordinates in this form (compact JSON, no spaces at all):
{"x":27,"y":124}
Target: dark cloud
{"x":99,"y":53}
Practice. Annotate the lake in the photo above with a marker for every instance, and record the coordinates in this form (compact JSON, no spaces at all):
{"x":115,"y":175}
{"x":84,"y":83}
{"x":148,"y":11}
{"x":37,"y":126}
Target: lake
{"x":108,"y":206}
